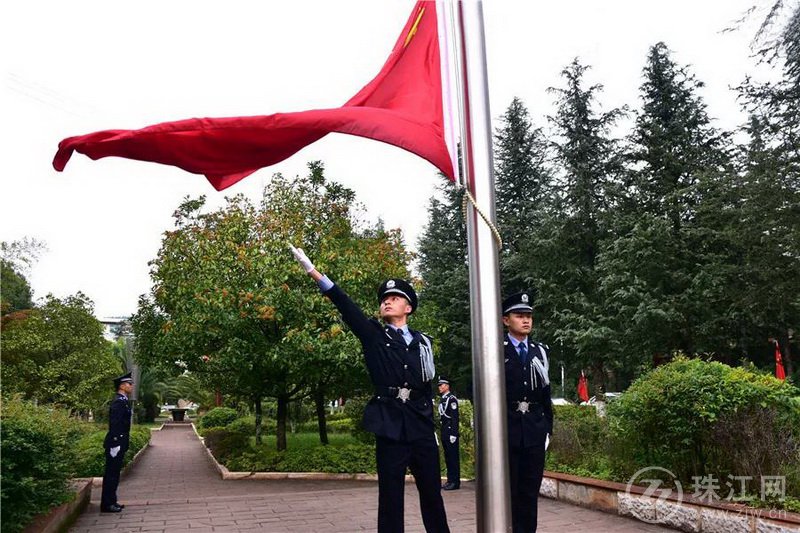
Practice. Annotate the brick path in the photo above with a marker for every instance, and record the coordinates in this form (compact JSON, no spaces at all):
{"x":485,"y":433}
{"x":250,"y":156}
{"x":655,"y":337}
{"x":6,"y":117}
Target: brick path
{"x":175,"y":488}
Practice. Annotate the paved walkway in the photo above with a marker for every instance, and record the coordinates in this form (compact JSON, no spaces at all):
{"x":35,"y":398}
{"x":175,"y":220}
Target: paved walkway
{"x":175,"y":488}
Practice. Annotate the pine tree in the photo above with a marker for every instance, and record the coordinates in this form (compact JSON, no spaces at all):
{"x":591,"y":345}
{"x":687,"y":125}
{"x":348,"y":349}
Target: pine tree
{"x":443,"y":268}
{"x":523,"y":182}
{"x":566,"y":253}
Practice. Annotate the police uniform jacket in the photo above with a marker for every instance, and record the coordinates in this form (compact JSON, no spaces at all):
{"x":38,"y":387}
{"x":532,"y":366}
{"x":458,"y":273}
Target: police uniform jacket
{"x":448,"y":415}
{"x":391,"y":363}
{"x":119,"y":424}
{"x":527,"y":429}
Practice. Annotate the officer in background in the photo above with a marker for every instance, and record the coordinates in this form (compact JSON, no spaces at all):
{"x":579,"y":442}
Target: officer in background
{"x":116,"y":443}
{"x":530,"y":410}
{"x":399,"y":361}
{"x":448,"y":416}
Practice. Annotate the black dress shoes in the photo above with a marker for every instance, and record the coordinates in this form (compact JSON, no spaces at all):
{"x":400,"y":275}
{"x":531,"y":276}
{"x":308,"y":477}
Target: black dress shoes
{"x":451,"y":486}
{"x":111,"y":509}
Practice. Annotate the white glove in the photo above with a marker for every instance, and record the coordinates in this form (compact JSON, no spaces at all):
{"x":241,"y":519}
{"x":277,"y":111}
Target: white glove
{"x":302,"y":258}
{"x":452,"y":439}
{"x":546,"y":441}
{"x":114,"y":451}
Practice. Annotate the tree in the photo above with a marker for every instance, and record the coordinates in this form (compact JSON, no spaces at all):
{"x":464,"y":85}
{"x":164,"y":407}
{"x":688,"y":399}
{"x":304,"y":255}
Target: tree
{"x":774,"y":128}
{"x":15,"y":291}
{"x":564,"y":254}
{"x":230,"y":305}
{"x":445,"y":290}
{"x":16,"y":258}
{"x":660,"y":276}
{"x":56,"y":353}
{"x":523,"y":185}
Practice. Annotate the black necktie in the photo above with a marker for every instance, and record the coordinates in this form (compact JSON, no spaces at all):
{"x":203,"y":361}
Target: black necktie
{"x":523,"y":353}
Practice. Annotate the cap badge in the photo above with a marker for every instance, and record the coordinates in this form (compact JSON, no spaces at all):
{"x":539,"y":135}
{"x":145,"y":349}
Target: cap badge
{"x":390,"y":284}
{"x":525,"y":298}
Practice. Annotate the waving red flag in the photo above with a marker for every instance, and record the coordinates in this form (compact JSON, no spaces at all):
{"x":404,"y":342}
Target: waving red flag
{"x":780,"y":373}
{"x":583,"y":388}
{"x":402,"y":106}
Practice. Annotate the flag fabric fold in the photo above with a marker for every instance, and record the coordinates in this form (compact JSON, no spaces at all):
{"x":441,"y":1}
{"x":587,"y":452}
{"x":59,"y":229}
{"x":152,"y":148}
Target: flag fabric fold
{"x":583,"y":388}
{"x":402,"y":106}
{"x":780,"y":373}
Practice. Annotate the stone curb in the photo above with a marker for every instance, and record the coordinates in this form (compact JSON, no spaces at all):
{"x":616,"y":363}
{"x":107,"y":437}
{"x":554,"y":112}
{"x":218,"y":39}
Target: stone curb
{"x":685,"y":514}
{"x":61,"y":517}
{"x":320,"y":476}
{"x":664,"y":508}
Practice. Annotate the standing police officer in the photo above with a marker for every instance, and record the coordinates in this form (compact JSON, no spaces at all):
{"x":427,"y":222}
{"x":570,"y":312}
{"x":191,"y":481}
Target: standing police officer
{"x":530,"y":410}
{"x":448,"y":416}
{"x":400,"y":365}
{"x":116,"y":443}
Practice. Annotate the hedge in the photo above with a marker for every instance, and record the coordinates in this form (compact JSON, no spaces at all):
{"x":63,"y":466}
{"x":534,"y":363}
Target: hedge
{"x":698,"y":418}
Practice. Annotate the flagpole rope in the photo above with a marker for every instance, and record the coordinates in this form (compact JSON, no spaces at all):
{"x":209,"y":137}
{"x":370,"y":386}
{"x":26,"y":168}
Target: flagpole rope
{"x":468,"y":198}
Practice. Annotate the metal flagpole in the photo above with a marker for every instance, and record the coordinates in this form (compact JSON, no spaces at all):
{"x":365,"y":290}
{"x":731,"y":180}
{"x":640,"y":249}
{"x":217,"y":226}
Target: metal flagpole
{"x":493,"y":495}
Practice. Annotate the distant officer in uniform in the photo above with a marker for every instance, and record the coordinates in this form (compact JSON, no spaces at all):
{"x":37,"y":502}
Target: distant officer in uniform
{"x":400,"y":365}
{"x":116,"y":443}
{"x":448,"y":416}
{"x":530,"y":410}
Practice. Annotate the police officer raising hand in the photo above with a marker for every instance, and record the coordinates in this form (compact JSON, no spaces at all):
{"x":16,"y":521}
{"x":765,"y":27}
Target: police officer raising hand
{"x":400,"y":365}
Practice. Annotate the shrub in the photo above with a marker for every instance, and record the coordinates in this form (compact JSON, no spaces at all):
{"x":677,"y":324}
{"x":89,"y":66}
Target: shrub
{"x":225,"y":444}
{"x":580,"y":442}
{"x":700,"y":418}
{"x":354,"y":409}
{"x":218,"y":417}
{"x":89,"y":454}
{"x":338,"y":457}
{"x":35,"y":461}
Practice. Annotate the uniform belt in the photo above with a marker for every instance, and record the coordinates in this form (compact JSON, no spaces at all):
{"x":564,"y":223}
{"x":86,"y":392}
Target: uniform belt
{"x":525,"y":406}
{"x":401,"y":393}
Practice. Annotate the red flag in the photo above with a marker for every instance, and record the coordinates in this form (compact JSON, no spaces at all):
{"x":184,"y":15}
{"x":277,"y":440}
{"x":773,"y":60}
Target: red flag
{"x":402,"y":106}
{"x":583,"y":388}
{"x":780,"y":373}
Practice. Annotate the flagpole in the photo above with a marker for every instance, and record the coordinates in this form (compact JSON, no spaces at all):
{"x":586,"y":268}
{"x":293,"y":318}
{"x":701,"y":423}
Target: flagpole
{"x":493,"y":511}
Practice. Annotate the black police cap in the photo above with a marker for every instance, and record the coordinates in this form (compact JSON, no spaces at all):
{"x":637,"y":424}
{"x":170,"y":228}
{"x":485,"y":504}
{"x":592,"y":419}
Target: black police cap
{"x":127,"y":378}
{"x":520,"y":302}
{"x":399,"y":287}
{"x":443,"y":381}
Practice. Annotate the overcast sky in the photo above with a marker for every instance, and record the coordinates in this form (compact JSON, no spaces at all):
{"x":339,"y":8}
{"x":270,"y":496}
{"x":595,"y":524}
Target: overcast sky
{"x":75,"y":67}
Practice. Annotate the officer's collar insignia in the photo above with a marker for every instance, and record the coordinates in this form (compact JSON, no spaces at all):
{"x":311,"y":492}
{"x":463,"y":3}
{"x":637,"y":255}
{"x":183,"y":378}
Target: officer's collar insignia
{"x":390,"y":284}
{"x":524,"y":298}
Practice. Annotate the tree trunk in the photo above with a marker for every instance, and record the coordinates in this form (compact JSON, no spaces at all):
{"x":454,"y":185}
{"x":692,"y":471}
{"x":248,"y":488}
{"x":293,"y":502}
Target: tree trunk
{"x":319,"y":403}
{"x":257,"y":402}
{"x":282,"y":414}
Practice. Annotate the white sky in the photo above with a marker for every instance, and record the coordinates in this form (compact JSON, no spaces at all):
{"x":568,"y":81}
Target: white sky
{"x":76,"y":67}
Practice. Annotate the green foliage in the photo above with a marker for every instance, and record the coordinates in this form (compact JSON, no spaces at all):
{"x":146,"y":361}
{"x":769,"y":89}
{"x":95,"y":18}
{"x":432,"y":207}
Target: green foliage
{"x":445,"y":292}
{"x":305,"y":454}
{"x":224,"y":444}
{"x":580,"y":444}
{"x":243,"y":317}
{"x":56,"y":354}
{"x":15,"y":291}
{"x":89,"y":455}
{"x":466,"y":432}
{"x":218,"y":417}
{"x":35,"y":458}
{"x":354,"y":409}
{"x":697,"y":418}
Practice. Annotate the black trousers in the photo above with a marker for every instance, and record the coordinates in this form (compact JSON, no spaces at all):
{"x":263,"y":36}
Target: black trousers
{"x":451,"y":459}
{"x":526,"y":468}
{"x":111,"y":479}
{"x":422,"y":458}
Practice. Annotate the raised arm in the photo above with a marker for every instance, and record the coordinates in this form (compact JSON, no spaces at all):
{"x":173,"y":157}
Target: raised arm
{"x":351,"y":313}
